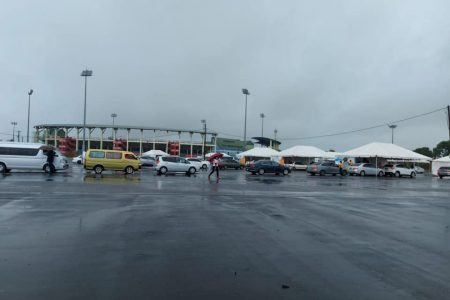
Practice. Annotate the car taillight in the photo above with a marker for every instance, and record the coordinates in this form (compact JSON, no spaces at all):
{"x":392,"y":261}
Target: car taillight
{"x":157,"y":161}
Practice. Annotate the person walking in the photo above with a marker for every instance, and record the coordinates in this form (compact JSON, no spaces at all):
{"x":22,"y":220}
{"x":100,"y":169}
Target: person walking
{"x":215,"y":167}
{"x":50,"y":159}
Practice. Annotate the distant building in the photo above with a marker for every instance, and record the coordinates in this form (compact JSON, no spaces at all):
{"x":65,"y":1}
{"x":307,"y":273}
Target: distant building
{"x":267,"y":142}
{"x":232,"y":146}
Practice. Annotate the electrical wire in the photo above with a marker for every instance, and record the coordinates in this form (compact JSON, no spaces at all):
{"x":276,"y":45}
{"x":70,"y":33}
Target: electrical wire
{"x":349,"y":131}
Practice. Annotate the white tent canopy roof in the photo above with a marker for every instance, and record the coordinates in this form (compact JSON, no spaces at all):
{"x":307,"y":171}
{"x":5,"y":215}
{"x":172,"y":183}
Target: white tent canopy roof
{"x":303,"y":151}
{"x":330,"y":154}
{"x":445,"y":159}
{"x":154,"y":153}
{"x":259,"y":152}
{"x":385,"y":150}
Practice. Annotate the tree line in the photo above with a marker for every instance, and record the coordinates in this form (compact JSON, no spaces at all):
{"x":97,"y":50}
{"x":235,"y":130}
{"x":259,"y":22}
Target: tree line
{"x":441,"y":149}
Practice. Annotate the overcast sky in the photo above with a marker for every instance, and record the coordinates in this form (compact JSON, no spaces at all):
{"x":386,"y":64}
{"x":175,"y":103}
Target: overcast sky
{"x":312,"y":67}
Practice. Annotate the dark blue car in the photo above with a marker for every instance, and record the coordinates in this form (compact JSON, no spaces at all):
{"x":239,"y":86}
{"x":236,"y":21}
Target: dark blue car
{"x":266,"y":166}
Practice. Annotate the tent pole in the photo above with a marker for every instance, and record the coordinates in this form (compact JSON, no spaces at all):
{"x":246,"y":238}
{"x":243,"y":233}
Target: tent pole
{"x":376,"y":167}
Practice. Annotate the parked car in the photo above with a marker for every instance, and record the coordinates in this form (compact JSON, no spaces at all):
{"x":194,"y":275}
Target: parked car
{"x":323,"y":168}
{"x":77,"y":160}
{"x":266,"y":166}
{"x":399,"y":170}
{"x":443,"y":172}
{"x":29,"y":156}
{"x":365,"y":169}
{"x":199,"y":164}
{"x":297,"y":166}
{"x":99,"y":160}
{"x":147,"y":161}
{"x":229,"y":163}
{"x":174,"y":164}
{"x":419,"y":170}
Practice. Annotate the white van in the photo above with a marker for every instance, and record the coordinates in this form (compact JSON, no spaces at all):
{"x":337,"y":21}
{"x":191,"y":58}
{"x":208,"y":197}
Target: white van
{"x":28,"y":156}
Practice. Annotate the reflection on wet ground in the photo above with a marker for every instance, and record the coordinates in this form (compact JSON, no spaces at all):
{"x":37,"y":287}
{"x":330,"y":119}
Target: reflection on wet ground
{"x":142,"y":236}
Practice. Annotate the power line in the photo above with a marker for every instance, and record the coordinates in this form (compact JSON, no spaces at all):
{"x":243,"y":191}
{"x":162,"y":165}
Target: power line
{"x":349,"y":131}
{"x":366,"y":128}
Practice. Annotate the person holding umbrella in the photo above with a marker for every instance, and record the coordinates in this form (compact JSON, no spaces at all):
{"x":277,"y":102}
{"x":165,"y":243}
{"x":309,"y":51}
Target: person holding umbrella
{"x":214,"y":159}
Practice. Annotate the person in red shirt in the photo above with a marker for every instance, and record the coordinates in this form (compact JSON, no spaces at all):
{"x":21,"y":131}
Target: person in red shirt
{"x":215,"y":167}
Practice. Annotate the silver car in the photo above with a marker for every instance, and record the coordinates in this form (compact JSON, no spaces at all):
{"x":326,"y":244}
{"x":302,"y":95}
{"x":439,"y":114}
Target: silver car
{"x":174,"y":164}
{"x":365,"y":169}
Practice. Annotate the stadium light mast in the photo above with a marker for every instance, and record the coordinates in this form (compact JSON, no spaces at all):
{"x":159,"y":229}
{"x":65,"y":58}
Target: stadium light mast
{"x":85,"y":73}
{"x":392,"y":127}
{"x":246,"y":93}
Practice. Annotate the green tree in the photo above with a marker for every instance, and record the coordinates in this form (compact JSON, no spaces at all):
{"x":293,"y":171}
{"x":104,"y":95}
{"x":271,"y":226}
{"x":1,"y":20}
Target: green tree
{"x":442,"y":149}
{"x":424,"y":151}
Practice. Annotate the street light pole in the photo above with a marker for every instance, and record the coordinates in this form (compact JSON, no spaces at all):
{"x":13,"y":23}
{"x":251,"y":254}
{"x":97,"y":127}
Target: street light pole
{"x":392,"y":127}
{"x":28,"y":123}
{"x":246,"y":93}
{"x":14,"y":123}
{"x":204,"y":138}
{"x":262,"y":124}
{"x":85,"y":74}
{"x":113,"y":116}
{"x":275,"y":133}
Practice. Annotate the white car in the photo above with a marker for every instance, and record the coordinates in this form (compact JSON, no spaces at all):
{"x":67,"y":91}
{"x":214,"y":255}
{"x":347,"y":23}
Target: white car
{"x":174,"y":164}
{"x":399,"y":170}
{"x":199,"y":164}
{"x":77,"y":160}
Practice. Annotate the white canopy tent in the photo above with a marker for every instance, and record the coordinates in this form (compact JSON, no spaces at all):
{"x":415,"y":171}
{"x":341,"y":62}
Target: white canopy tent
{"x":303,"y":151}
{"x":387,"y":152}
{"x":259,"y":153}
{"x":332,"y":155}
{"x":440,"y":162}
{"x":155,"y":153}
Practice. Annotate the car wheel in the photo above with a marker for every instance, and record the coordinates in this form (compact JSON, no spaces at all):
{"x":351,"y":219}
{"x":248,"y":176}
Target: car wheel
{"x":441,"y":177}
{"x":254,"y":173}
{"x":261,"y":171}
{"x":322,"y":173}
{"x":129,"y":170}
{"x":163,"y":170}
{"x":98,"y":169}
{"x":333,"y":174}
{"x":2,"y":168}
{"x":397,"y":174}
{"x":362,"y":174}
{"x":413,"y":174}
{"x":380,"y":174}
{"x":192,"y":170}
{"x":204,"y":167}
{"x":285,"y":172}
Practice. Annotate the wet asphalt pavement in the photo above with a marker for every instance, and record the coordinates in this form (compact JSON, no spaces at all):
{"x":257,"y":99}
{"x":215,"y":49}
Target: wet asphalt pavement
{"x":76,"y":236}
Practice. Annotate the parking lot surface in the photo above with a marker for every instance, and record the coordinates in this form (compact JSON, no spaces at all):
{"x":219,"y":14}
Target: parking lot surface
{"x":78,"y":236}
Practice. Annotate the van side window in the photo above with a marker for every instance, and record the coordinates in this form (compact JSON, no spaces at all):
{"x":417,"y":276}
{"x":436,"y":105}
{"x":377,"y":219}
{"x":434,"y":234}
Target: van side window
{"x":130,"y":156}
{"x":18,"y":151}
{"x":113,"y":155}
{"x":97,"y":154}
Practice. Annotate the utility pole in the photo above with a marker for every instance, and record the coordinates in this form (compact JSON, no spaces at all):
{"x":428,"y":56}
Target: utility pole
{"x":18,"y":136}
{"x":448,"y":121}
{"x":14,"y":124}
{"x":204,"y":138}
